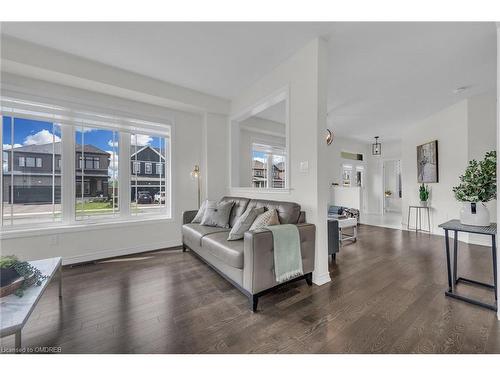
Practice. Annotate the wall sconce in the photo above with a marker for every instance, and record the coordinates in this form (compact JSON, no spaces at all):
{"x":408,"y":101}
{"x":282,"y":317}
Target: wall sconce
{"x":196,"y":174}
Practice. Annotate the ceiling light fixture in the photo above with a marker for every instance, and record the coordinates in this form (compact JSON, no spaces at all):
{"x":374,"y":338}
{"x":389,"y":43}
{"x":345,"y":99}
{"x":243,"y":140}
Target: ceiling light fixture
{"x":376,"y":147}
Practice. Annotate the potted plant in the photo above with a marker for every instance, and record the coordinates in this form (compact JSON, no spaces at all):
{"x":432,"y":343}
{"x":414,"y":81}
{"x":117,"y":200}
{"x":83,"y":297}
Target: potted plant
{"x":7,"y":271}
{"x":424,"y":194}
{"x":478,"y":185}
{"x":11,"y":269}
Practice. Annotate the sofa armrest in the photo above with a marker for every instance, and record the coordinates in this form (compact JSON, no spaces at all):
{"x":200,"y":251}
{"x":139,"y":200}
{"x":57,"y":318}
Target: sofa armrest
{"x":258,"y":269}
{"x":188,"y":216}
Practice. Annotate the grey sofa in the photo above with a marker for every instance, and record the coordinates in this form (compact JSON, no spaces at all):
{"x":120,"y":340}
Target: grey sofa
{"x":248,"y":264}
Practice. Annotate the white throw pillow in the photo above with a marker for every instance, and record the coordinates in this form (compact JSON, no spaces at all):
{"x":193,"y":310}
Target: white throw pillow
{"x":267,"y":218}
{"x":200,"y":213}
{"x":244,"y":223}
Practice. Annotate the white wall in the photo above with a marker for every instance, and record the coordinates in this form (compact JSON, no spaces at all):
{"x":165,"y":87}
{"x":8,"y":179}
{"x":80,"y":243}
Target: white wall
{"x":464,"y":131}
{"x":304,"y":73}
{"x":335,"y":163}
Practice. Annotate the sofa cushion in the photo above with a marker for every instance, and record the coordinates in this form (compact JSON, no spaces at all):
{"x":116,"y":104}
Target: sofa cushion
{"x":200,"y":213}
{"x":217,"y":214}
{"x":288,"y":212}
{"x":244,"y":223}
{"x":270,"y":217}
{"x":229,"y":252}
{"x":240,"y":206}
{"x":198,"y":231}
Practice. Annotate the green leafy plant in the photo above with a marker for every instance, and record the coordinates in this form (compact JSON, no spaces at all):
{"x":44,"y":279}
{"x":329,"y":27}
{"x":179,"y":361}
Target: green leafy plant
{"x":31,"y":275}
{"x":479,"y":181}
{"x":424,"y":192}
{"x":7,"y":261}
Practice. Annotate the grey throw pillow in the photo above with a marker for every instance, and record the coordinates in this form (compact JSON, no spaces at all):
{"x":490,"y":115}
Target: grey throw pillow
{"x":200,"y":213}
{"x":267,"y":218}
{"x":217,"y":214}
{"x":244,"y":223}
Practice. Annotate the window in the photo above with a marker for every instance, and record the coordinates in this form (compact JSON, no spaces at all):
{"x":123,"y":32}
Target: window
{"x":30,"y":196}
{"x":351,"y":156}
{"x":99,"y":197}
{"x":137,"y":168}
{"x":149,"y":193}
{"x":346,"y":175}
{"x":268,"y":166}
{"x":31,"y":181}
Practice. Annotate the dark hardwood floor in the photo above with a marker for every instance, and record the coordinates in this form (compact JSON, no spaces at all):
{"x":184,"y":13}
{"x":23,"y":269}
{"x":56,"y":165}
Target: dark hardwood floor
{"x":386,"y":296}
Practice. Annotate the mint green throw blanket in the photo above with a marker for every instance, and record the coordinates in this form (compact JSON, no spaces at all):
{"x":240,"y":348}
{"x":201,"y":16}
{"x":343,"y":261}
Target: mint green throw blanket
{"x":287,"y":255}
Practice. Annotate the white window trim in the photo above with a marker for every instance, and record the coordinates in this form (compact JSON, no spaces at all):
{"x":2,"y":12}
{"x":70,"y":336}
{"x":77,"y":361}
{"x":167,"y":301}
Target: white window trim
{"x":68,"y":171}
{"x":23,"y":159}
{"x":148,"y":166}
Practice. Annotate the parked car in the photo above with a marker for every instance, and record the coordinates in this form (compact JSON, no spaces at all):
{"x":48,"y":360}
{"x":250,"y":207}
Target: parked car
{"x":144,"y":197}
{"x":160,"y":197}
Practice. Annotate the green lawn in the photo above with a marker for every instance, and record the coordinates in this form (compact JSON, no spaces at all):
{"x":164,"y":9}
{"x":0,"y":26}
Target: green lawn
{"x":94,"y":206}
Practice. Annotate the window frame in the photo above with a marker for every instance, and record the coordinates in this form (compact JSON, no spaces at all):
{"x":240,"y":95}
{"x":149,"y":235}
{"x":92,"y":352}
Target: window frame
{"x":69,"y":166}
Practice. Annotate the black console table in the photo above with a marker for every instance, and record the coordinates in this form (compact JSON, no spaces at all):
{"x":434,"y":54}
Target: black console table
{"x":453,"y":279}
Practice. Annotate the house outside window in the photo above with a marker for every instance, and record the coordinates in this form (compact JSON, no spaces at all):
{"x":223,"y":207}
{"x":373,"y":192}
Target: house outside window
{"x":32,"y":188}
{"x":268,"y":166}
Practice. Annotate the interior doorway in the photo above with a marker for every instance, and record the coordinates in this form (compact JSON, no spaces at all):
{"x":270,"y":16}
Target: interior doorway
{"x":392,"y":187}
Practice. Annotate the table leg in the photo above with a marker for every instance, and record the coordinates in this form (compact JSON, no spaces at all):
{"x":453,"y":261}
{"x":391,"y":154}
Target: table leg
{"x":455,"y":258}
{"x":18,"y":341}
{"x":429,"y":218}
{"x":408,"y":222}
{"x":60,"y":281}
{"x":416,"y":220}
{"x":448,"y":267}
{"x":419,"y":219}
{"x":494,"y":254}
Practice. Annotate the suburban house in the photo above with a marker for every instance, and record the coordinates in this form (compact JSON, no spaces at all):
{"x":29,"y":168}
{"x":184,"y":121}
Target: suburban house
{"x":260,"y":178}
{"x":148,"y":170}
{"x":34,"y":170}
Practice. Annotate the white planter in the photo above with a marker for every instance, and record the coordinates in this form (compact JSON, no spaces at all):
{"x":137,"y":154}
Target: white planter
{"x":424,"y":203}
{"x":474,"y":214}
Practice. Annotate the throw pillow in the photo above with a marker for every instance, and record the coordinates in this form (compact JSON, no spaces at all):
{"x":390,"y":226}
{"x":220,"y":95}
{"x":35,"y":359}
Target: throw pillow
{"x":244,"y":223}
{"x":200,"y":213}
{"x":267,"y":218}
{"x":217,"y":214}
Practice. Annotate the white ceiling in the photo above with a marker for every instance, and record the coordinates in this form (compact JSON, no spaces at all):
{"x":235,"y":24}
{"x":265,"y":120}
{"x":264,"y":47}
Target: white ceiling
{"x":383,"y":76}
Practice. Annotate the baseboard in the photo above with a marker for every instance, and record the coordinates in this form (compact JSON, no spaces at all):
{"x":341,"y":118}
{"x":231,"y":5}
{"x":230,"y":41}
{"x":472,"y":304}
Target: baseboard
{"x":321,"y":279}
{"x":111,"y":253}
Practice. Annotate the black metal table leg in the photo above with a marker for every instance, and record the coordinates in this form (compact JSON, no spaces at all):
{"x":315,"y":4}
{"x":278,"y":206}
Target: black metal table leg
{"x":448,"y":266}
{"x":455,"y":258}
{"x":494,"y":256}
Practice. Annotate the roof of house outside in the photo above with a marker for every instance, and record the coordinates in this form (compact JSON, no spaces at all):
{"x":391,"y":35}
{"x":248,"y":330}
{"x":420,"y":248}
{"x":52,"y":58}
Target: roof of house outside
{"x":48,"y":148}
